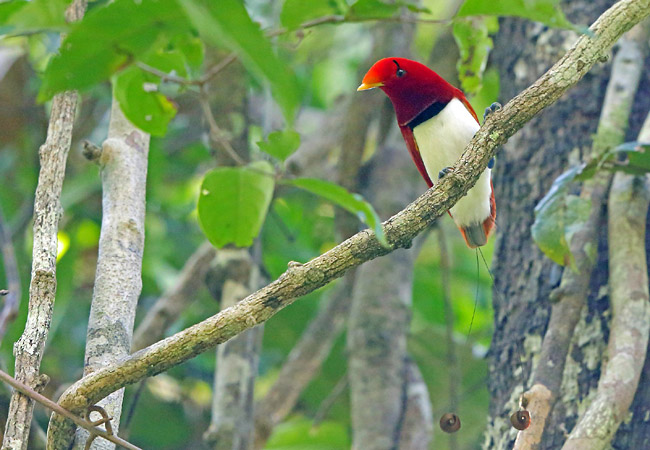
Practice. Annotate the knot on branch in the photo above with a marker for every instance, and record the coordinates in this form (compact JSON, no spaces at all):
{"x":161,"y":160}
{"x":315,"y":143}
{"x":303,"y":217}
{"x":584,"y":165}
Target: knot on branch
{"x":91,"y":152}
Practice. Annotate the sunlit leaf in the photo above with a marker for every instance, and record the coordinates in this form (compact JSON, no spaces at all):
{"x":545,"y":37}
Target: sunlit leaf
{"x":353,"y":203}
{"x":108,"y":39}
{"x":138,"y":96}
{"x":474,"y":45}
{"x":280,"y":144}
{"x":297,"y":12}
{"x":300,"y":434}
{"x":372,"y":9}
{"x":36,"y":15}
{"x":227,"y":22}
{"x":545,"y":11}
{"x":234,"y":201}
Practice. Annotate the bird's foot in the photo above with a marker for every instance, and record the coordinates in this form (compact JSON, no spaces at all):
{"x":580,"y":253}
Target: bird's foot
{"x":494,"y":107}
{"x":444,"y":172}
{"x":491,"y":163}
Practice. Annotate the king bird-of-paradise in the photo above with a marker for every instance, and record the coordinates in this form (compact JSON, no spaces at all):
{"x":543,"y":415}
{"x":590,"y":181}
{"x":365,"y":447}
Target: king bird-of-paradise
{"x":437,"y":123}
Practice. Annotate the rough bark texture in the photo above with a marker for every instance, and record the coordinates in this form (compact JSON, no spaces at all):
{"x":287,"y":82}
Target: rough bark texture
{"x":231,"y":426}
{"x":400,"y":230}
{"x":571,"y":296}
{"x":380,"y":316}
{"x":524,"y":278}
{"x":169,"y":306}
{"x":42,"y":289}
{"x":628,"y":340}
{"x":118,"y":279}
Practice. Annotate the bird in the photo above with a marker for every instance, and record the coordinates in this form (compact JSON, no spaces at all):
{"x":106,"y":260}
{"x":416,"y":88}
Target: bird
{"x":437,"y":122}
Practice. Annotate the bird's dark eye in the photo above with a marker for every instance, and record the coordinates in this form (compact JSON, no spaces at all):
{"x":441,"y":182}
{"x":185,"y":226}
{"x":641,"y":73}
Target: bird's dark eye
{"x":400,"y":72}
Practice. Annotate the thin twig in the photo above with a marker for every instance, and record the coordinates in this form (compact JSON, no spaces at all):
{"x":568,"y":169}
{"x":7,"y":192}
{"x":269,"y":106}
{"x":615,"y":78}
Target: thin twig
{"x":12,"y":299}
{"x":326,"y":405}
{"x":331,"y":19}
{"x":55,"y":407}
{"x":216,"y":134}
{"x":452,"y":357}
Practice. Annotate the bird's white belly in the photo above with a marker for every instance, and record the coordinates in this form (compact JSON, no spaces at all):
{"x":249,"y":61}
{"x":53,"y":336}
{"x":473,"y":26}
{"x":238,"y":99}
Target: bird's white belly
{"x":441,"y":141}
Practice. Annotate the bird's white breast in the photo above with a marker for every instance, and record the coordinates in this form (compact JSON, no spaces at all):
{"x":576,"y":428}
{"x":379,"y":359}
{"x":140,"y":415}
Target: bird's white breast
{"x":441,"y":141}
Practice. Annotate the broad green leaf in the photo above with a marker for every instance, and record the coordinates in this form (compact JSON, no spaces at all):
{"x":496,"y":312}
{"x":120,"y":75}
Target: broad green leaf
{"x":297,"y":12}
{"x":34,"y":16}
{"x":172,"y":62}
{"x":340,"y":196}
{"x":638,"y":157}
{"x":227,"y":22}
{"x":280,"y":144}
{"x":141,"y":102}
{"x":234,"y":201}
{"x":300,"y":434}
{"x":372,"y":9}
{"x":545,"y":11}
{"x":557,"y":216}
{"x":108,"y":39}
{"x":474,"y":45}
{"x":193,"y":51}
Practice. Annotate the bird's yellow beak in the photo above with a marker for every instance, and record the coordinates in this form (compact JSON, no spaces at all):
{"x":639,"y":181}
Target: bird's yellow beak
{"x":366,"y":86}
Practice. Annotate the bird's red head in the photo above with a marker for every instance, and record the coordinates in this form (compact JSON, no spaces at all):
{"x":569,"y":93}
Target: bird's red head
{"x":412,"y":87}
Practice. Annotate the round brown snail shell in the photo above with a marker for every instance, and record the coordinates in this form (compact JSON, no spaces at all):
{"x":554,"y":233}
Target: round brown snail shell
{"x":450,"y":423}
{"x":520,"y":419}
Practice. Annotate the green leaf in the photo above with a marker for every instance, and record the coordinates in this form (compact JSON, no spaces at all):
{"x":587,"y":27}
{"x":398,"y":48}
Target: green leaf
{"x":353,"y":203}
{"x":372,"y":9}
{"x":141,"y":102}
{"x":280,"y":144}
{"x":474,"y":45}
{"x":108,"y":39}
{"x":638,"y":157}
{"x":234,"y":202}
{"x":300,"y":434}
{"x":558,"y":216}
{"x":34,"y":16}
{"x":193,"y":51}
{"x":227,"y":22}
{"x":545,"y":11}
{"x":297,"y":12}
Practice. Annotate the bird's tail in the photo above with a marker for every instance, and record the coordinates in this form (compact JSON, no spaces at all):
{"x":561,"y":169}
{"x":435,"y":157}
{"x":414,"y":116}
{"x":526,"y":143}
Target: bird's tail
{"x":477,"y":235}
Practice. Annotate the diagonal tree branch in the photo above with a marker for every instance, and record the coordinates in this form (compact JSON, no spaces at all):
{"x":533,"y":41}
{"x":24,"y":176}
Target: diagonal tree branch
{"x":400,"y":230}
{"x":173,"y":301}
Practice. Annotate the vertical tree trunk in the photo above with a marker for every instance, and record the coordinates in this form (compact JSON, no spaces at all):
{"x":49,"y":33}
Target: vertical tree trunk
{"x":380,"y":316}
{"x":118,"y":280}
{"x":524,"y":277}
{"x":231,"y":426}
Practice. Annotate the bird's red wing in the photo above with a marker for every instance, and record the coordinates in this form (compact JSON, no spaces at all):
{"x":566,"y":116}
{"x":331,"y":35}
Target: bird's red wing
{"x":415,"y":153}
